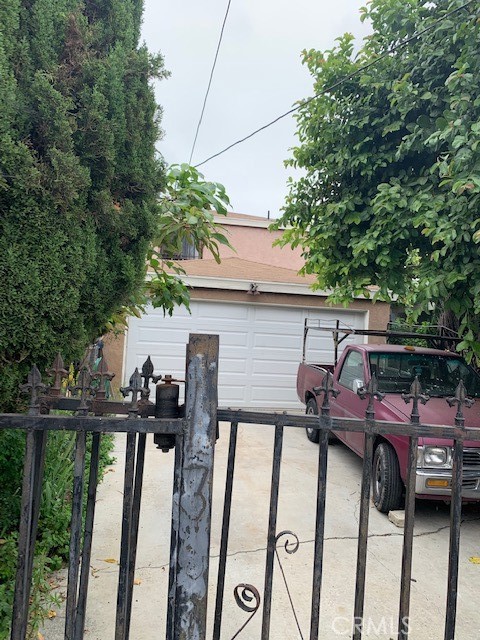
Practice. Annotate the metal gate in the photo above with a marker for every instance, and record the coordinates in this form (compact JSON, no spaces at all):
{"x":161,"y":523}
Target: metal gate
{"x":193,"y":434}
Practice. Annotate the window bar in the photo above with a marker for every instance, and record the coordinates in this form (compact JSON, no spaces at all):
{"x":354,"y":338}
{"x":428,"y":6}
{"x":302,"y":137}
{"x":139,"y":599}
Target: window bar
{"x":172,"y":577}
{"x":319,"y":533}
{"x":460,"y":400}
{"x":30,"y":509}
{"x":88,"y":535}
{"x":407,"y":553}
{"x":137,"y":498}
{"x":225,"y":531}
{"x":363,"y":536}
{"x":371,"y":391}
{"x":325,"y":425}
{"x":120,"y":623}
{"x":455,"y":523}
{"x":415,"y":396}
{"x":75,"y":535}
{"x":272,"y":525}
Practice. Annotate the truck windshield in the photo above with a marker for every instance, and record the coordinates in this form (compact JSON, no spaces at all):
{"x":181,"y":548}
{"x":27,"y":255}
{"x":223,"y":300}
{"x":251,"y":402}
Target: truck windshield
{"x":438,"y":375}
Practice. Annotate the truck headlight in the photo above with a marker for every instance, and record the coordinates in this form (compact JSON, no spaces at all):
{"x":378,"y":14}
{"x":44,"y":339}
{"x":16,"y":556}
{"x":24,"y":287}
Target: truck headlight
{"x":437,"y":457}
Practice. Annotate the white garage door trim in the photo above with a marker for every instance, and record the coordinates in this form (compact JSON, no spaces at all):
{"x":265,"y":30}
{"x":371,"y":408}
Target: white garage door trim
{"x":260,"y":346}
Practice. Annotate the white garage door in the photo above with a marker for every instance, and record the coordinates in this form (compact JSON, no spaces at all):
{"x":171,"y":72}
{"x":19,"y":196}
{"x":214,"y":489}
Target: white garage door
{"x":260,"y":347}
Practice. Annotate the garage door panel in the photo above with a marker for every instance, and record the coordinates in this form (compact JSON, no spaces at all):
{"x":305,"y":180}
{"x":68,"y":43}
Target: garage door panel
{"x":281,"y":327}
{"x":155,"y":335}
{"x":273,"y":397}
{"x":280,"y":380}
{"x":234,"y":338}
{"x":276,"y":357}
{"x":274,"y":368}
{"x":232,"y":377}
{"x":284,"y":346}
{"x":278,"y":314}
{"x":216,"y":310}
{"x":229,"y":365}
{"x":260,"y":347}
{"x":231,"y":395}
{"x":270,"y":340}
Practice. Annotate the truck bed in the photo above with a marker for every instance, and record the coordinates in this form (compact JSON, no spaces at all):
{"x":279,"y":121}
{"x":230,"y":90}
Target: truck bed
{"x":310,"y":375}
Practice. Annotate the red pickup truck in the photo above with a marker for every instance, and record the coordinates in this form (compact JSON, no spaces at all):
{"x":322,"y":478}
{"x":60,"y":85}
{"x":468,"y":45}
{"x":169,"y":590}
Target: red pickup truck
{"x":396,"y":367}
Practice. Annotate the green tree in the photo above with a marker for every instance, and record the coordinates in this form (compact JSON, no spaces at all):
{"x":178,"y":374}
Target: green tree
{"x":79,"y":177}
{"x":80,"y":181}
{"x":390,"y":194}
{"x":187,"y":206}
{"x":84,"y":198}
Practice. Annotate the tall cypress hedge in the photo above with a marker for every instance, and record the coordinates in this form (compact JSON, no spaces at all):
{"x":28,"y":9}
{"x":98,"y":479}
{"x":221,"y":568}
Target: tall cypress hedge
{"x":79,"y":181}
{"x":79,"y":178}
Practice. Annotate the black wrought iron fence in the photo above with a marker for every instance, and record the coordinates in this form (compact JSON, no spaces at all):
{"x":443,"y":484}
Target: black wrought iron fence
{"x":372,"y":429}
{"x":193,"y":432}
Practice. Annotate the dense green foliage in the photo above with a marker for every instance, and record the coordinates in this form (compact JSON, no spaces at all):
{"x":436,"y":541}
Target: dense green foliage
{"x":391,"y":191}
{"x":79,"y":178}
{"x":83,"y":199}
{"x":187,"y":205}
{"x":79,"y":182}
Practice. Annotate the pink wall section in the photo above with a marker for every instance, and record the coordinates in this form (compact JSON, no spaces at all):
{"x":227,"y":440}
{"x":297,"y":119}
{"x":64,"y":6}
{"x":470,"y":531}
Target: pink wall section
{"x":255,"y":244}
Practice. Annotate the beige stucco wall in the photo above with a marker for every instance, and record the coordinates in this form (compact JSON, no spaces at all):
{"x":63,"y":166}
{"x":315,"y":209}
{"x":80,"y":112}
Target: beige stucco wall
{"x":255,"y":244}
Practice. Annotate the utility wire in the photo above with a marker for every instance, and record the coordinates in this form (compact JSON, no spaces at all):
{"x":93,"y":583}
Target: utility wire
{"x":210,"y":81}
{"x":339,"y":82}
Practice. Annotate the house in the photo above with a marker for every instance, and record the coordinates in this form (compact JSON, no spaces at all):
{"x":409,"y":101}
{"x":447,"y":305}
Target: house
{"x":256,"y":301}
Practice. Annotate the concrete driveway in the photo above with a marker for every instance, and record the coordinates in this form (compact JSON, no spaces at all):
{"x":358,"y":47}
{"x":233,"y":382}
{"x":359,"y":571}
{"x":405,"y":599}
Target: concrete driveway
{"x":247,"y":545}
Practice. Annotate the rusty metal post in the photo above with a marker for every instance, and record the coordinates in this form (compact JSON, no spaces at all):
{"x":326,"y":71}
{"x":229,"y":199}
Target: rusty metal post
{"x":195,"y":497}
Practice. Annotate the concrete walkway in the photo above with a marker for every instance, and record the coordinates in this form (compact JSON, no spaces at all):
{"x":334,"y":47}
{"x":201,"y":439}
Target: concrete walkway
{"x":247,"y":544}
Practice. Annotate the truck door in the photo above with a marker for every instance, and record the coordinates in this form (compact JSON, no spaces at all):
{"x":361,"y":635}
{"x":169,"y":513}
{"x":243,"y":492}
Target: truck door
{"x":351,"y":377}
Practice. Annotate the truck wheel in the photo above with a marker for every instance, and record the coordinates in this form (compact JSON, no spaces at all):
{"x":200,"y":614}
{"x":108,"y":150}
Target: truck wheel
{"x":312,"y":410}
{"x":387,"y":482}
{"x":314,"y":434}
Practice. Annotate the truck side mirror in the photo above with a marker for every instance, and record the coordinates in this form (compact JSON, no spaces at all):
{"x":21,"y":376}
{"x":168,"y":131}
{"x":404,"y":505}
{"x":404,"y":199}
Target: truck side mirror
{"x":357,"y":384}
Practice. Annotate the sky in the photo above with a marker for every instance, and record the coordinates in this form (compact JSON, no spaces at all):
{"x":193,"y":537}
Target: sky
{"x":258,"y":76}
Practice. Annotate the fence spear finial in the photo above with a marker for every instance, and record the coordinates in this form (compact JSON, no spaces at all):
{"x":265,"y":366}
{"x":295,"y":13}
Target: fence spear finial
{"x":370,"y":391}
{"x":147,"y":375}
{"x":84,"y":385}
{"x":415,"y":395}
{"x":460,"y":399}
{"x":35,"y":388}
{"x":102,"y":375}
{"x":327,"y":389}
{"x":134,"y":387}
{"x":58,"y":372}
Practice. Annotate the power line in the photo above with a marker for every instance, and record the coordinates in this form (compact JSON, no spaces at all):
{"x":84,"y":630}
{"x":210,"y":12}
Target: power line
{"x":386,"y":53}
{"x":210,"y":81}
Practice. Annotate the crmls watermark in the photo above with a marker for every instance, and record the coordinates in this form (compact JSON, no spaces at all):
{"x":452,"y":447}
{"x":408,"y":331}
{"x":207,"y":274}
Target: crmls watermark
{"x":380,"y":627}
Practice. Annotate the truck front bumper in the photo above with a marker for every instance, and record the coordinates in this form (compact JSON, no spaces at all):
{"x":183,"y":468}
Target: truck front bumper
{"x":437,"y":482}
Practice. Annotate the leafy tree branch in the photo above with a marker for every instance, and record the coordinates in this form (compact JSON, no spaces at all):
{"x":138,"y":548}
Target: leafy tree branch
{"x":391,"y":191}
{"x":186,"y":217}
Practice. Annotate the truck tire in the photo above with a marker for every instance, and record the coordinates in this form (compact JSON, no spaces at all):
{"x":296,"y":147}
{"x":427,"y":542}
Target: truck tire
{"x":387,"y":482}
{"x":314,"y":434}
{"x":312,"y":410}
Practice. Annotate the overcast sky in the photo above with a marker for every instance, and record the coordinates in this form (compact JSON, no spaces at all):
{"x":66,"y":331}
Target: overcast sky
{"x":258,"y":77}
